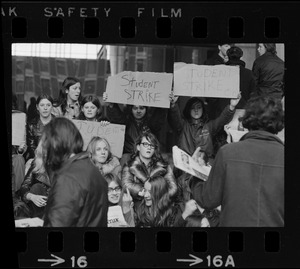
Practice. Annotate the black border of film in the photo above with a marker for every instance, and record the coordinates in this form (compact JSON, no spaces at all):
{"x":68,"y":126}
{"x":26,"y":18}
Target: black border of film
{"x":143,"y":243}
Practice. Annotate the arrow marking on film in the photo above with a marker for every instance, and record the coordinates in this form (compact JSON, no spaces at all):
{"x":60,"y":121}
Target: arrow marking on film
{"x":56,"y":261}
{"x":194,"y":261}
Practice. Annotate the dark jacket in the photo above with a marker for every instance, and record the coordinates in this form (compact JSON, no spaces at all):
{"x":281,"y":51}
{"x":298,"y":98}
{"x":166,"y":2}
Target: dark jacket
{"x":247,"y":83}
{"x":134,"y":129}
{"x":35,"y":129}
{"x":135,"y":174}
{"x":247,"y":180}
{"x":32,"y":178}
{"x":215,"y":60}
{"x":192,"y":136}
{"x":35,"y":183}
{"x":78,"y":195}
{"x":268,"y":72}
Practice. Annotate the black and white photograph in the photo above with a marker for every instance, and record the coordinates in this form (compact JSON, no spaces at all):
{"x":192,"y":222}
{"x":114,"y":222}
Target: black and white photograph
{"x":93,"y":126}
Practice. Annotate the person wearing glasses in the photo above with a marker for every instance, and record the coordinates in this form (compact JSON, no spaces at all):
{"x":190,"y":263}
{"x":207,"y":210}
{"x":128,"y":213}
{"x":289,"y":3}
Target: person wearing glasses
{"x":118,"y":197}
{"x":138,"y":119}
{"x":100,"y":154}
{"x":146,"y":162}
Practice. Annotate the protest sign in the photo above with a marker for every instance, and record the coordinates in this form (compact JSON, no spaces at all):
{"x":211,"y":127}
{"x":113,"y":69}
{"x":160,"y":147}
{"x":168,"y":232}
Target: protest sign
{"x":115,"y":217}
{"x":18,"y":124}
{"x":140,"y":88}
{"x":185,"y":162}
{"x":114,"y":134}
{"x":206,"y":81}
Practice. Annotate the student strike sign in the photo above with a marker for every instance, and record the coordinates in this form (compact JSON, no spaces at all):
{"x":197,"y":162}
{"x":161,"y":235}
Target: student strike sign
{"x":140,"y":88}
{"x":206,"y":81}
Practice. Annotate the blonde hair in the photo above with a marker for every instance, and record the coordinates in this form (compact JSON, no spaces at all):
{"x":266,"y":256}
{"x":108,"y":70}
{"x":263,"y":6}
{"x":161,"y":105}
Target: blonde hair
{"x":38,"y":159}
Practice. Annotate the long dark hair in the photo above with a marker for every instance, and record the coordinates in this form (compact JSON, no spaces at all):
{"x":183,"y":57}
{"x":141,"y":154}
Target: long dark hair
{"x":188,"y":107}
{"x":264,"y":113}
{"x":62,"y":98}
{"x":160,"y":211}
{"x":270,"y":47}
{"x":153,"y":140}
{"x":60,"y":139}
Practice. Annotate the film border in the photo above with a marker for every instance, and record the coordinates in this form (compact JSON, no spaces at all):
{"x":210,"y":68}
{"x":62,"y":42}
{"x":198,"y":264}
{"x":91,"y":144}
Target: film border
{"x":145,"y":254}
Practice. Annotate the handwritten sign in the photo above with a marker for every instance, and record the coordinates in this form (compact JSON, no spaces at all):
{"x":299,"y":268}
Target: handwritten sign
{"x":18,"y":124}
{"x":140,"y":88}
{"x":114,"y":133}
{"x":206,"y":81}
{"x":115,"y":217}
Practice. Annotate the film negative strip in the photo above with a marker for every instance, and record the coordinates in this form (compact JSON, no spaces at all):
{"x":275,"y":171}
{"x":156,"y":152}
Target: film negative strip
{"x":45,"y":42}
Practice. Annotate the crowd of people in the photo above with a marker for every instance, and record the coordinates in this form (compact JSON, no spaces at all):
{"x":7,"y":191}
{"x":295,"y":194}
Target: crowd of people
{"x":54,"y":179}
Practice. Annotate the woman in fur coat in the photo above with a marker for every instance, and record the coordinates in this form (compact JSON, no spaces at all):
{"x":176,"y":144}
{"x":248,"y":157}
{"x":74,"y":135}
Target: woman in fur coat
{"x":145,"y":163}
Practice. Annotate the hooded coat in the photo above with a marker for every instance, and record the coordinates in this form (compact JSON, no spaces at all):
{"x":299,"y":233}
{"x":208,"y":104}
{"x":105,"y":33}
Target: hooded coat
{"x":247,"y":180}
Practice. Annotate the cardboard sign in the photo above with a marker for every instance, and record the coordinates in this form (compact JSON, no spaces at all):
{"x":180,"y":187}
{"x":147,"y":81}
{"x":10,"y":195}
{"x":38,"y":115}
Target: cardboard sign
{"x":115,"y":217}
{"x":114,"y":134}
{"x":186,"y":163}
{"x":18,"y":124}
{"x":206,"y":81}
{"x":140,"y":88}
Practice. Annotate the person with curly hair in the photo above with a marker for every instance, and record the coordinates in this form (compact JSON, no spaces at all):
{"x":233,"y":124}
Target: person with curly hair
{"x":247,"y":177}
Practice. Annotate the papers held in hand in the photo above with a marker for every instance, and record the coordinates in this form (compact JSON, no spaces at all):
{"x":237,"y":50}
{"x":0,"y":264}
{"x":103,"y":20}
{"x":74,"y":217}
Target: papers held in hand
{"x":186,"y":163}
{"x":29,"y":222}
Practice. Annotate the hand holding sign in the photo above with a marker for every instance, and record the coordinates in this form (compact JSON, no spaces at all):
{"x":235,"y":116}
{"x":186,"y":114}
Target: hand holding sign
{"x":234,"y":101}
{"x":139,"y":88}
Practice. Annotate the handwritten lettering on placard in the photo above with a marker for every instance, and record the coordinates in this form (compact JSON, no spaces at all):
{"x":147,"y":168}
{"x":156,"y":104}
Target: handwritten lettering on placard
{"x":114,"y":134}
{"x":206,"y":81}
{"x":140,"y":88}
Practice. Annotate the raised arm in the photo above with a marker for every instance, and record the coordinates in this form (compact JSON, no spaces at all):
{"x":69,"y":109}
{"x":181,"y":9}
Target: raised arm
{"x":174,"y":116}
{"x":225,"y":117}
{"x":114,"y":113}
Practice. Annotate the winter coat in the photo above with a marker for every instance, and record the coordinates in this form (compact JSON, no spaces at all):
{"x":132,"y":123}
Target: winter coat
{"x":215,"y":60}
{"x":247,"y":83}
{"x":35,"y":183}
{"x":192,"y":135}
{"x":247,"y":180}
{"x":35,"y":130}
{"x":33,"y":178}
{"x":78,"y":195}
{"x":135,"y":128}
{"x":268,"y":72}
{"x":136,"y":173}
{"x":111,"y":166}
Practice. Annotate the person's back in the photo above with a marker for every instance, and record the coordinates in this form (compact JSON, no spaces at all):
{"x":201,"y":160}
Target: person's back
{"x":254,"y":187}
{"x":89,"y":195}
